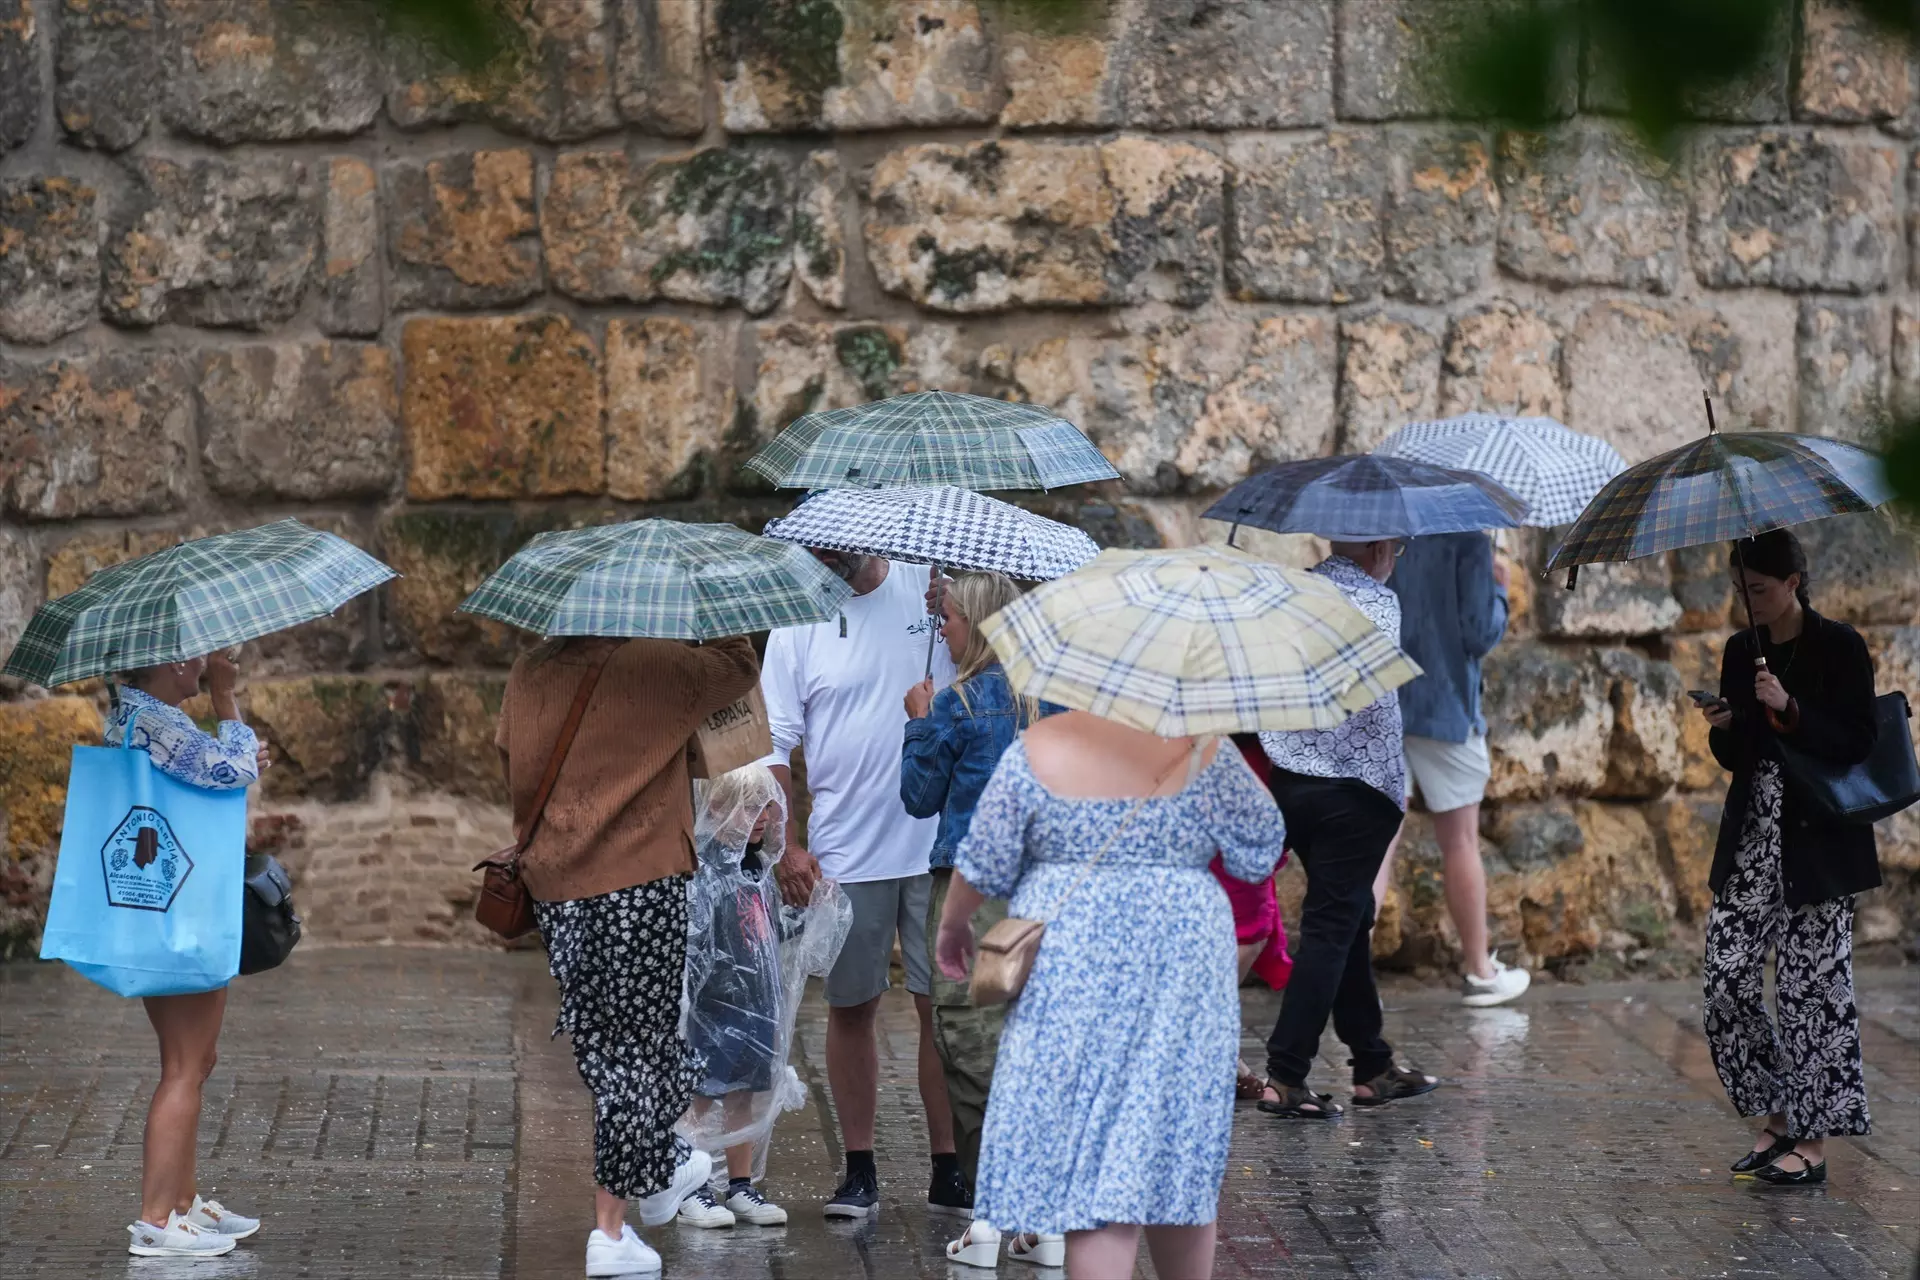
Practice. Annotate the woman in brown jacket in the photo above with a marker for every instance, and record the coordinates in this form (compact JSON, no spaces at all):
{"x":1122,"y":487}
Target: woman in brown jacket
{"x":608,"y":869}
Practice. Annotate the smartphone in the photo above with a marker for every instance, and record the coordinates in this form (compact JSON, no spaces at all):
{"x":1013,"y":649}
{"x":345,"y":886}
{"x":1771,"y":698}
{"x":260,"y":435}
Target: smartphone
{"x":1701,"y":698}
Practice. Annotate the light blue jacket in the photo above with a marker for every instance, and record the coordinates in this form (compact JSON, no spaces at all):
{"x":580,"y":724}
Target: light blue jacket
{"x":1452,"y":613}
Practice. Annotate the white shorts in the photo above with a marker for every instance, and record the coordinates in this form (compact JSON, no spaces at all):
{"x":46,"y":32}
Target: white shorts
{"x":1450,"y":775}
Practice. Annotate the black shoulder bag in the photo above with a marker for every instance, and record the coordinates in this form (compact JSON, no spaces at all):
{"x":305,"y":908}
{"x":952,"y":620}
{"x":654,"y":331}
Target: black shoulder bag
{"x":269,"y":930}
{"x":1883,"y":784}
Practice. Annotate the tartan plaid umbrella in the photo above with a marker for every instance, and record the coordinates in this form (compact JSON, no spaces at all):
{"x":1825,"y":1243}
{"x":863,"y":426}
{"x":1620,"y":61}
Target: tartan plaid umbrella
{"x":932,"y":437}
{"x":1199,"y":640}
{"x":1359,"y":497}
{"x":192,"y":599}
{"x":1553,"y":469}
{"x":938,"y":524}
{"x":1718,"y":489}
{"x":658,"y":578}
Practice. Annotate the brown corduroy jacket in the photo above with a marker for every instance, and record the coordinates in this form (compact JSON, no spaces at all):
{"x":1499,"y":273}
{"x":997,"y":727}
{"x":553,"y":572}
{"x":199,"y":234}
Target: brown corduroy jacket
{"x":621,"y":812}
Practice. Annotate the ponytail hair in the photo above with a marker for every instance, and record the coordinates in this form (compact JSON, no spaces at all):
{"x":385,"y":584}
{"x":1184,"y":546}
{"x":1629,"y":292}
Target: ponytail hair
{"x":1776,"y":554}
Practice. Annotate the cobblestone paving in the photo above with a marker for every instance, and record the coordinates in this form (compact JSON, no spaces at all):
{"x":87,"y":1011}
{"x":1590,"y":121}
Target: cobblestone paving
{"x":403,"y":1113}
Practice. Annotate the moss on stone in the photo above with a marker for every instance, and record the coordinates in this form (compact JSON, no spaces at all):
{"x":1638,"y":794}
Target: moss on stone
{"x":459,"y":537}
{"x":800,"y":38}
{"x":812,"y":240}
{"x":871,"y":356}
{"x":954,"y":275}
{"x":751,"y":193}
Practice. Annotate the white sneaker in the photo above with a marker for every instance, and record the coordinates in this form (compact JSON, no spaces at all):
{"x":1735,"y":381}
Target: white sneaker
{"x":627,"y":1256}
{"x":211,"y":1215}
{"x":752,"y":1207}
{"x":659,"y":1208}
{"x":1505,"y":984}
{"x":178,"y":1239}
{"x":700,"y":1210}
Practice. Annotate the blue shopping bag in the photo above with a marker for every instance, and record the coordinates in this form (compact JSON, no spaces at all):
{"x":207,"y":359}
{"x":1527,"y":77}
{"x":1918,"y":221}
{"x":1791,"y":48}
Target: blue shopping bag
{"x":148,"y":891}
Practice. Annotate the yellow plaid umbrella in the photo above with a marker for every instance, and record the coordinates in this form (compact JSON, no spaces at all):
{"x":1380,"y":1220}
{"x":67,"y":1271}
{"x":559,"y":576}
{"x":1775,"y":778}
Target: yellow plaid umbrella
{"x":1202,"y":640}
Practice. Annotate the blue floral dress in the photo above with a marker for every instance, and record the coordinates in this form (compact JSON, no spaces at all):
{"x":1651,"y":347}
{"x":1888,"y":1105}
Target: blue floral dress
{"x":1113,"y":1093}
{"x":181,"y":748}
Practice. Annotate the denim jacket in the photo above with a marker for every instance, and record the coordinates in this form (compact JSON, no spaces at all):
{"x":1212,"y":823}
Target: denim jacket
{"x":952,"y":750}
{"x":1455,"y":613}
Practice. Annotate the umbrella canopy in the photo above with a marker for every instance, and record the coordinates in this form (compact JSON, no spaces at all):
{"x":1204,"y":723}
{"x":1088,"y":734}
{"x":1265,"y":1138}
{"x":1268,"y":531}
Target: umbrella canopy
{"x":938,"y":524}
{"x":1552,"y":468}
{"x":932,"y":437}
{"x":658,"y":578}
{"x":192,"y":599}
{"x":1720,"y":488}
{"x":1359,"y":497}
{"x":1199,"y":640}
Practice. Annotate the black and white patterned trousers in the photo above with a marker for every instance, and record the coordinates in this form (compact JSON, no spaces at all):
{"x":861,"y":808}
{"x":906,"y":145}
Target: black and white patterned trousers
{"x":619,"y":959}
{"x":1809,"y":1069}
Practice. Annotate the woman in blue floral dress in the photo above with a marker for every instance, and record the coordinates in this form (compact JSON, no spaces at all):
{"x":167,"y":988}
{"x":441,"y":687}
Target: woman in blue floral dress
{"x":1112,"y":1098}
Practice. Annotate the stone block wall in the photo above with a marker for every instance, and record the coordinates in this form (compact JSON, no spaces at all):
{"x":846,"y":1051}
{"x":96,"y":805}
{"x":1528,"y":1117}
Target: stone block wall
{"x":262,"y":258}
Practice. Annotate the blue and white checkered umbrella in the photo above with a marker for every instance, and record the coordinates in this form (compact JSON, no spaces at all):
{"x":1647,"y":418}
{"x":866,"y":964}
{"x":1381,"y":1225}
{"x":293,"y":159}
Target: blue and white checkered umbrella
{"x":938,"y":524}
{"x":1554,"y":469}
{"x":1360,"y":497}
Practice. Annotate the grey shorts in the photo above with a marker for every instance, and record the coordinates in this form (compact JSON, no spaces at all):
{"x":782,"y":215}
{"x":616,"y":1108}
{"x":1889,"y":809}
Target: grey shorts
{"x":881,"y":909}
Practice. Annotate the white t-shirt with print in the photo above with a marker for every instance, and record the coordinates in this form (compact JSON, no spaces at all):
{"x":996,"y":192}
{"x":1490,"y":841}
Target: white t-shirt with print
{"x":841,"y":697}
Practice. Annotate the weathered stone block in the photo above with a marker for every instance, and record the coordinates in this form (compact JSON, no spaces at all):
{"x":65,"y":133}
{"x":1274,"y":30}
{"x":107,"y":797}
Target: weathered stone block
{"x":49,"y":258}
{"x":1277,"y":405}
{"x":1754,"y":380}
{"x":1612,"y":886}
{"x":555,"y":81}
{"x":1389,"y":376}
{"x":225,"y":243}
{"x":351,"y":303}
{"x":1630,"y":599}
{"x":819,"y":241}
{"x":1843,"y":367}
{"x":660,"y":66}
{"x":300,"y":420}
{"x":991,"y":225}
{"x":1865,"y":569}
{"x":1585,"y":205}
{"x":104,"y":435}
{"x":442,"y":557}
{"x":502,"y":407}
{"x":1393,"y":56}
{"x":462,"y":231}
{"x":1503,"y":358}
{"x":1685,"y":829}
{"x":20,"y":83}
{"x":1534,"y":837}
{"x":1700,"y":584}
{"x":20,"y":592}
{"x":1549,"y":719}
{"x":1307,"y":215}
{"x":327,"y":735}
{"x":1793,"y":209}
{"x":1063,"y":79}
{"x":1441,"y":212}
{"x":1635,"y":371}
{"x":1244,"y":64}
{"x":266,"y":70}
{"x":1904,"y":390}
{"x":36,"y":748}
{"x":1851,"y":70}
{"x":79,"y":558}
{"x":106,"y":62}
{"x":715,"y":227}
{"x":453,"y":715}
{"x":776,"y":60}
{"x":804,"y":367}
{"x":669,"y":404}
{"x":1644,"y":756}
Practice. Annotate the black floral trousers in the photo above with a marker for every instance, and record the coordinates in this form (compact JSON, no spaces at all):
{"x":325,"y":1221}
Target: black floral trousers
{"x":1809,"y":1067}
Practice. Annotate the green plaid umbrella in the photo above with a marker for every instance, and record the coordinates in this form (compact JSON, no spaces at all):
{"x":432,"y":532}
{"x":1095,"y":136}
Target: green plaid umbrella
{"x":1718,"y":489}
{"x":932,"y":437}
{"x":658,"y":578}
{"x":195,"y":598}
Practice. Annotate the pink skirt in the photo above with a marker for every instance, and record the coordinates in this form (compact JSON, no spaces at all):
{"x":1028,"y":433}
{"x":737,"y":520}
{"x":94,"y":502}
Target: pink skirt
{"x":1256,"y":912}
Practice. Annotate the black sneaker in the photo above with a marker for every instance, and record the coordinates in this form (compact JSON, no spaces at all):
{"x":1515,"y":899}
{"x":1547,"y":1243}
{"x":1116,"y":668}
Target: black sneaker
{"x":858,"y":1197}
{"x":949,"y":1193}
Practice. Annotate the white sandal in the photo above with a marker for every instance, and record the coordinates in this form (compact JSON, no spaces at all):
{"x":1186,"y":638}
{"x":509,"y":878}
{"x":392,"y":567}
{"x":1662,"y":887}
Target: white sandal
{"x":1047,"y":1250}
{"x":978,"y":1246}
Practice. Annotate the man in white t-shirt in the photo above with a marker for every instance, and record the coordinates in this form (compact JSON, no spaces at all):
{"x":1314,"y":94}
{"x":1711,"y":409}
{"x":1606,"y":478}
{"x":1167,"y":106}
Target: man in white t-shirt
{"x":837,"y":688}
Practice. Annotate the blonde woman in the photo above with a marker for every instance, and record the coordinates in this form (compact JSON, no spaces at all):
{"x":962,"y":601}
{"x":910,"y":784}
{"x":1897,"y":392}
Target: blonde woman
{"x":953,"y":741}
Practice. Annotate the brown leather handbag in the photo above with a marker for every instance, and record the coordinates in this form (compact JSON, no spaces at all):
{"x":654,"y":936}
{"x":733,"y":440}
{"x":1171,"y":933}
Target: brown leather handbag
{"x":505,"y":906}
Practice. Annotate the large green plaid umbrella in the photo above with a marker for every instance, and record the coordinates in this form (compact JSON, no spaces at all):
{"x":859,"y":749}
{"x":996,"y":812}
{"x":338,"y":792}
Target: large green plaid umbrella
{"x":658,"y":578}
{"x":192,"y":599}
{"x":932,"y":437}
{"x":1718,"y":489}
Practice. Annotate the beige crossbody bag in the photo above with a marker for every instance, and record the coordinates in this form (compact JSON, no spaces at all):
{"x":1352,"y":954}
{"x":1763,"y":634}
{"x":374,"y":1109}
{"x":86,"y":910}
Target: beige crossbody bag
{"x":1006,"y":954}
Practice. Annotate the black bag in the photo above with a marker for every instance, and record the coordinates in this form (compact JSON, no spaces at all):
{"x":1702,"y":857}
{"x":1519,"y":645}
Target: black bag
{"x":1883,"y":784}
{"x":269,"y":930}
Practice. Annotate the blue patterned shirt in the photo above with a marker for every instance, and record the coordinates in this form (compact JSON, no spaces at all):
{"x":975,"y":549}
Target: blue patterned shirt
{"x":1367,"y":744}
{"x":182,"y":749}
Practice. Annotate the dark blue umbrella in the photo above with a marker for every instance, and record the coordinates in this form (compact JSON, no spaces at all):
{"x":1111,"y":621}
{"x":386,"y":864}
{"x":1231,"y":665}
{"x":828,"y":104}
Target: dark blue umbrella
{"x":1359,"y":497}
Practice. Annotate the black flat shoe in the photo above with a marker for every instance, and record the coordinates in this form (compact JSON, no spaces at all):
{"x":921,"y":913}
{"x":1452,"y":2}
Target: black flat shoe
{"x":1761,"y":1159}
{"x":1807,"y":1175}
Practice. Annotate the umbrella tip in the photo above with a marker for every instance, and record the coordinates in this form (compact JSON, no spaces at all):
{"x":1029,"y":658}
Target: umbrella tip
{"x":1573,"y":575}
{"x":1713,"y":428}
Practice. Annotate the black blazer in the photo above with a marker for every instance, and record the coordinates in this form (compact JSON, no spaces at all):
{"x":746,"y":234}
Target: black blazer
{"x":1831,"y":677}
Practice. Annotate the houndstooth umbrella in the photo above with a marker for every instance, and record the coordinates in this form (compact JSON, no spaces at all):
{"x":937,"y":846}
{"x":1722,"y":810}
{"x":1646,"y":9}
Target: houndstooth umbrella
{"x":192,"y":599}
{"x":937,"y":524}
{"x":1553,"y":469}
{"x":658,"y":578}
{"x":932,"y":437}
{"x":1356,"y":497}
{"x":1199,"y":640}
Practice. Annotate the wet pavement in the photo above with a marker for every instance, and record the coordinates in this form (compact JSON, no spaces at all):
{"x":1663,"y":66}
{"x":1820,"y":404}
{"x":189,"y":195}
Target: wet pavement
{"x":402,"y":1113}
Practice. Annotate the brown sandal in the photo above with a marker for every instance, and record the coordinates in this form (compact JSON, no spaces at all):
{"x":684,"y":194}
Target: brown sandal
{"x":1392,"y":1085}
{"x":1299,"y":1104}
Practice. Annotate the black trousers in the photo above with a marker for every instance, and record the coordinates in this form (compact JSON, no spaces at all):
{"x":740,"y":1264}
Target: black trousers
{"x":1339,"y":828}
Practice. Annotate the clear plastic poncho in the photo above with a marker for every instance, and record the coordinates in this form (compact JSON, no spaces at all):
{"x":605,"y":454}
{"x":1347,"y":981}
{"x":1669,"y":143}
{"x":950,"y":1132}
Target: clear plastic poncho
{"x":748,"y":959}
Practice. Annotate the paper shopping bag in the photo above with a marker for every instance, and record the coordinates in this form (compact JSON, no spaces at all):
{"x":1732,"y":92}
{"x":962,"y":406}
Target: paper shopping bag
{"x":737,"y":734}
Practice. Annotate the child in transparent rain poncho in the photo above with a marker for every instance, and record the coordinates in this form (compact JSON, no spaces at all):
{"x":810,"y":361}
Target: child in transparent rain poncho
{"x":748,"y":959}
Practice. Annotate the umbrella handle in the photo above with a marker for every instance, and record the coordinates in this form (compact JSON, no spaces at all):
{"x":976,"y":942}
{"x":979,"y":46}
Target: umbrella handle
{"x":933,"y":625}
